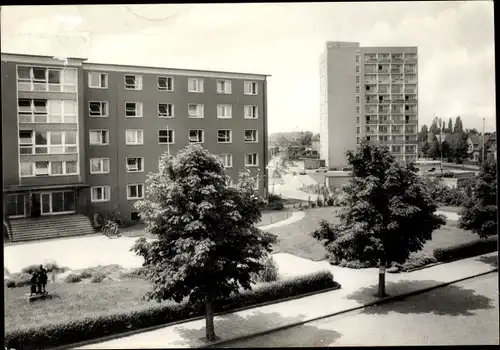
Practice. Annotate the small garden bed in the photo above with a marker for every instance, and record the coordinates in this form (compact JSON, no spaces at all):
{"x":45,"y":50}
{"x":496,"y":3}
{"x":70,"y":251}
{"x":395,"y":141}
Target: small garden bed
{"x":85,"y":311}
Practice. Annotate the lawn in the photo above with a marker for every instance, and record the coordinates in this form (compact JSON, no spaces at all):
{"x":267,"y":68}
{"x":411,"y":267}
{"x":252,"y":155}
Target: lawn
{"x":295,"y":238}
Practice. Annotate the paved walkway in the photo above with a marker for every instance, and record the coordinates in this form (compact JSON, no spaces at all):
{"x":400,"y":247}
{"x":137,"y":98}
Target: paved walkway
{"x":358,"y":288}
{"x":449,"y":215}
{"x":296,"y":216}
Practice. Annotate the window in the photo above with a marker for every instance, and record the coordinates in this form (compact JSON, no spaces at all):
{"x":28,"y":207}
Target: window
{"x":165,"y":110}
{"x":357,"y":119}
{"x":224,"y":86}
{"x":62,"y":111}
{"x":251,"y":112}
{"x":135,"y":216}
{"x":26,"y":169}
{"x":357,"y":89}
{"x":98,"y":109}
{"x":357,"y":140}
{"x":358,"y":109}
{"x":133,"y":109}
{"x":48,"y":168}
{"x":99,"y":165}
{"x":134,"y":137}
{"x":32,"y":110}
{"x":46,"y":79}
{"x":166,"y":136}
{"x":196,"y":136}
{"x":357,"y":58}
{"x":251,"y":88}
{"x":357,"y":99}
{"x":251,"y":136}
{"x":56,"y":168}
{"x":135,"y":165}
{"x":165,"y":84}
{"x":195,"y":110}
{"x":252,"y":159}
{"x":227,"y":160}
{"x":47,"y":142}
{"x":357,"y":69}
{"x":135,"y":191}
{"x":224,"y":136}
{"x":224,"y":111}
{"x":41,"y":168}
{"x":98,"y":80}
{"x":357,"y":79}
{"x":195,"y":85}
{"x":71,"y":167}
{"x":357,"y":130}
{"x":100,"y":194}
{"x":133,"y":82}
{"x":99,"y":137}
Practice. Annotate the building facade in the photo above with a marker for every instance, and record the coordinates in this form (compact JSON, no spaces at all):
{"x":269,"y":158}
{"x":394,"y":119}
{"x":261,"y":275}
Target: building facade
{"x":368,"y":92}
{"x":81,"y":137}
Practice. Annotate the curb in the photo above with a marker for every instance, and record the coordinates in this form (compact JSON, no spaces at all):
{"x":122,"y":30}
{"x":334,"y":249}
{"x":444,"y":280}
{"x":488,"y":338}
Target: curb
{"x":376,"y":302}
{"x":197,"y":318}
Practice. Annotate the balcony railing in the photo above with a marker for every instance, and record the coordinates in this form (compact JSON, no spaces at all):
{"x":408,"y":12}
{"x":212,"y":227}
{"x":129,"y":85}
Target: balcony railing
{"x":384,"y":58}
{"x":47,"y":118}
{"x":40,"y":149}
{"x":371,"y":132}
{"x":371,"y":101}
{"x":397,"y":57}
{"x":384,"y":71}
{"x":45,"y":87}
{"x":410,"y":89}
{"x":372,"y":121}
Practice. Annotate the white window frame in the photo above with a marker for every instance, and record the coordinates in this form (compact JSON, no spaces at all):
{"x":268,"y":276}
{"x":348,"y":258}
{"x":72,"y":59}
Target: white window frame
{"x":138,"y":140}
{"x":99,"y":75}
{"x":249,"y":111}
{"x":101,"y":162}
{"x":139,"y":109}
{"x":49,"y":168}
{"x":200,"y":82}
{"x":254,"y":155}
{"x":101,"y":134}
{"x":66,"y":148}
{"x":199,"y":108}
{"x":254,"y":131}
{"x":228,"y":137}
{"x":224,"y":86}
{"x":168,"y":136}
{"x":103,"y":105}
{"x":137,"y":84}
{"x":251,"y":88}
{"x":130,"y":169}
{"x":136,"y":185}
{"x":171,"y":79}
{"x":31,"y":84}
{"x":224,"y":111}
{"x":202,"y":135}
{"x":172,"y":110}
{"x":106,"y":189}
{"x":227,"y":160}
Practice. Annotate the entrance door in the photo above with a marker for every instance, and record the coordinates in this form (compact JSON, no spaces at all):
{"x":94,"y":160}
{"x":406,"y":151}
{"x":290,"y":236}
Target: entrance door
{"x":35,"y":205}
{"x":61,"y":202}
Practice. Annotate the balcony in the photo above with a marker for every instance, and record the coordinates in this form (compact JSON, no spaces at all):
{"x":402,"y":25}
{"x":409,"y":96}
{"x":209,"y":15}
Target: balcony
{"x":410,"y":57}
{"x":371,"y":58}
{"x":410,"y":89}
{"x":396,"y":110}
{"x":370,"y":89}
{"x":383,"y":69}
{"x":383,"y":57}
{"x":383,"y":89}
{"x":370,"y":79}
{"x":370,"y":68}
{"x":410,"y":79}
{"x":371,"y":100}
{"x":385,"y":120}
{"x":44,"y":149}
{"x":371,"y":132}
{"x":397,"y":131}
{"x":410,"y":131}
{"x":410,"y":70}
{"x":384,"y":111}
{"x":397,"y":99}
{"x":397,"y":57}
{"x":371,"y":122}
{"x":397,"y":79}
{"x":371,"y":110}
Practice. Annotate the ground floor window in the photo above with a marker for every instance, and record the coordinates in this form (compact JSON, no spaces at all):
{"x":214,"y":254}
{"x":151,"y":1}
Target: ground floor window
{"x":58,"y":202}
{"x":15,"y":205}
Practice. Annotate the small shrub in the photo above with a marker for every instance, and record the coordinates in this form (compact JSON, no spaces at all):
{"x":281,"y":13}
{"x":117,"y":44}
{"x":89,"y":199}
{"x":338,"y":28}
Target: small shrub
{"x":66,"y":333}
{"x":19,"y":279}
{"x":467,"y":250}
{"x":98,"y":277}
{"x":329,"y":201}
{"x":319,"y":202}
{"x":275,"y":206}
{"x":135,"y":273}
{"x":51,"y":267}
{"x":73,"y":278}
{"x":313,"y":205}
{"x":354,"y":264}
{"x":416,"y":260}
{"x":270,"y":272}
{"x":274,"y":198}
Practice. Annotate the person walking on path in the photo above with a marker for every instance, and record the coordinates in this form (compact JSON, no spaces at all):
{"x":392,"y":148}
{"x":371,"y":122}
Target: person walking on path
{"x":42,"y":279}
{"x":34,"y":283}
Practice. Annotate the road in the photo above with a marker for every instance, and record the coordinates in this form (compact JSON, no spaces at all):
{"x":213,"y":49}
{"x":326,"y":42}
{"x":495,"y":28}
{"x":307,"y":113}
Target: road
{"x":464,"y":313}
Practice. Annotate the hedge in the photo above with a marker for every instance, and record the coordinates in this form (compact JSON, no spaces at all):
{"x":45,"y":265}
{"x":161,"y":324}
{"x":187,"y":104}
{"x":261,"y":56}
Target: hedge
{"x":89,"y":328}
{"x":467,"y":250}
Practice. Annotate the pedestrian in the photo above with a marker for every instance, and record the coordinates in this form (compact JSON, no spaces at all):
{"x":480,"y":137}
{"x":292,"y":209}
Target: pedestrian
{"x":42,"y":273}
{"x":34,"y":283}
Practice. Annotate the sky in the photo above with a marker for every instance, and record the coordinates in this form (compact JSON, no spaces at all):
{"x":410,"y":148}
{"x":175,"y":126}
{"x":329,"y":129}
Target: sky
{"x":455,"y":42}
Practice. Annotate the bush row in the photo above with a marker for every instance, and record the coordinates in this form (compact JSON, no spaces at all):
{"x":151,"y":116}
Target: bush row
{"x":96,"y":327}
{"x":467,"y":250}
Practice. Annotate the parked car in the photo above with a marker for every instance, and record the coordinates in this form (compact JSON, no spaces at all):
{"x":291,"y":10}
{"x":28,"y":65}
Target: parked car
{"x":302,"y":172}
{"x":322,"y":170}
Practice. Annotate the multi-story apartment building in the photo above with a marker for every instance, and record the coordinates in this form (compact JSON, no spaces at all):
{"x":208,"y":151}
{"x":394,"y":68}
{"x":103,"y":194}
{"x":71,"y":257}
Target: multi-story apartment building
{"x":368,"y":92}
{"x":81,"y":137}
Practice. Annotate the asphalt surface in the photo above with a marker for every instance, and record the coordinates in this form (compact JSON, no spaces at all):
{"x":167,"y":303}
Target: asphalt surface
{"x":465,"y":313}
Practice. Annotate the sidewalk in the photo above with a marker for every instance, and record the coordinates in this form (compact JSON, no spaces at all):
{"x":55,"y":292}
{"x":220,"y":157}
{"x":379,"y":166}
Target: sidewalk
{"x":358,"y":288}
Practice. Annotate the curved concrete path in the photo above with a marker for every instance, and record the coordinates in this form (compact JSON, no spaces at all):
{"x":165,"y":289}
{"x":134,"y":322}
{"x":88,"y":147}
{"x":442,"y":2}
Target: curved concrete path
{"x":296,"y":216}
{"x":449,"y":215}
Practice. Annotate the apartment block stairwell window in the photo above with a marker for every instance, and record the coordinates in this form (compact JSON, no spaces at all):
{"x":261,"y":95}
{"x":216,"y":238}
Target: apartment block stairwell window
{"x":98,"y":80}
{"x":251,"y":88}
{"x":133,"y":82}
{"x":46,"y":79}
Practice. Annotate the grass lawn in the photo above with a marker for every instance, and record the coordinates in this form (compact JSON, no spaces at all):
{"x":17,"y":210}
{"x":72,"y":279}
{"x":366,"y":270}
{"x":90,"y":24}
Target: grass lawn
{"x":86,"y":299}
{"x":295,"y":238}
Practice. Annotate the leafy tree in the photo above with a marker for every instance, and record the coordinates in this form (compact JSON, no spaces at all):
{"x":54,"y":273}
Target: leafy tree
{"x":459,"y":147}
{"x":443,"y":127}
{"x":450,"y":126}
{"x":459,"y":128}
{"x":434,"y":128}
{"x":472,"y":131}
{"x":387,"y":212}
{"x":434,"y":149}
{"x":423,"y":134}
{"x":425,"y":148}
{"x":480,"y":212}
{"x":305,"y":138}
{"x":208,"y":246}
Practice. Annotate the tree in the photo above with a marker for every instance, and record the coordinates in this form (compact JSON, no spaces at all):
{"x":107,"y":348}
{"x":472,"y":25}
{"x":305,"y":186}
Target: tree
{"x":305,"y":138}
{"x":423,"y":134}
{"x":425,"y":149}
{"x":434,"y":128}
{"x":434,"y":149}
{"x":450,"y":126}
{"x":208,"y":246}
{"x":459,"y":147}
{"x":387,"y":212}
{"x":480,"y":212}
{"x":459,"y":128}
{"x":472,"y":131}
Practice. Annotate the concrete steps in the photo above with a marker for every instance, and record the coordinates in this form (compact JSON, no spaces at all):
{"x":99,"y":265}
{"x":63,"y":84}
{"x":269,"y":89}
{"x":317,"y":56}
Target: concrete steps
{"x":31,"y":229}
